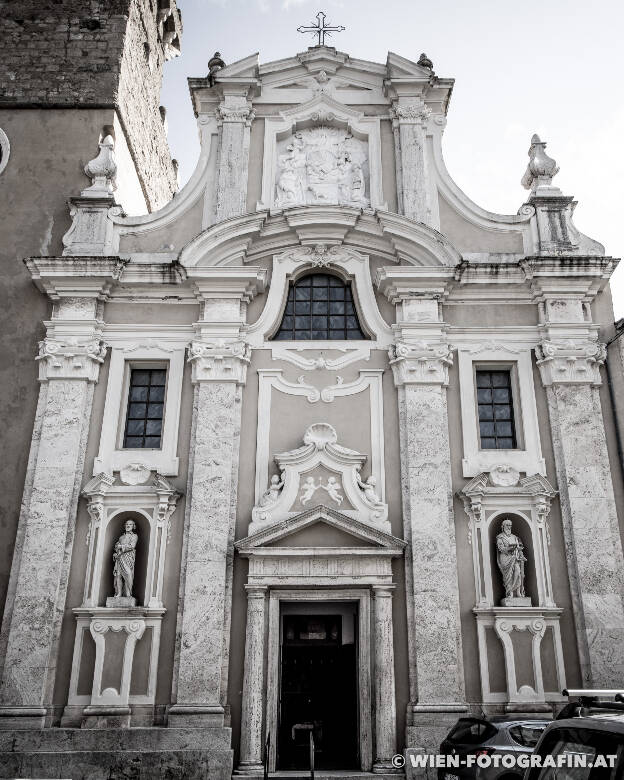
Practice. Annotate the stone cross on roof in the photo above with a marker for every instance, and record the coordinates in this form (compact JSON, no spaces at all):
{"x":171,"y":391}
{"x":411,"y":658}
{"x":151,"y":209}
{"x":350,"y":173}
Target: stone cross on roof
{"x":320,"y":28}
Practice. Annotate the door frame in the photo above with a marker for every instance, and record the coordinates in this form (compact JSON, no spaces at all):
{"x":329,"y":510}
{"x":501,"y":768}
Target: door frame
{"x":363,"y":663}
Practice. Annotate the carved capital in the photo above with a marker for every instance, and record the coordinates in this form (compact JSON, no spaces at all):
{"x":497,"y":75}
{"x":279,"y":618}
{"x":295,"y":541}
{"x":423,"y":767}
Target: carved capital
{"x":570,"y":362}
{"x":72,"y":358}
{"x":420,"y":362}
{"x":243,"y":113}
{"x":219,"y":361}
{"x":411,"y":113}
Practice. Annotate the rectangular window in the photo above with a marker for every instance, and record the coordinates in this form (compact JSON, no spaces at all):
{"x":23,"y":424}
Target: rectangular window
{"x":497,"y":429}
{"x":146,"y":402}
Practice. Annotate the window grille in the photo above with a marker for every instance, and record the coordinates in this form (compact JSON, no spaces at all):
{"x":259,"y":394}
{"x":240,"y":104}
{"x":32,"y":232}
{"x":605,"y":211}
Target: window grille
{"x":146,"y":400}
{"x":497,"y":428}
{"x":319,"y":307}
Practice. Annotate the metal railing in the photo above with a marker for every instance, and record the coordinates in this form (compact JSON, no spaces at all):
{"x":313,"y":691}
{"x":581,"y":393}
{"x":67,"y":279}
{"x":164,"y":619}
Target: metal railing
{"x":267,"y":751}
{"x":311,"y":754}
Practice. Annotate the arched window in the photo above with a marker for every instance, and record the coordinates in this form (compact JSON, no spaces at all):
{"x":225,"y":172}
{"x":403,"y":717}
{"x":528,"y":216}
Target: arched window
{"x":320,"y":307}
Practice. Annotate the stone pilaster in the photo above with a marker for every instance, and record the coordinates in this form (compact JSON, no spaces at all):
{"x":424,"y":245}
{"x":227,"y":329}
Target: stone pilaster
{"x":253,"y":684}
{"x":410,"y":121}
{"x":420,"y":360}
{"x":385,"y":694}
{"x":69,"y":362}
{"x":235,"y":116}
{"x":219,"y":359}
{"x":570,"y":371}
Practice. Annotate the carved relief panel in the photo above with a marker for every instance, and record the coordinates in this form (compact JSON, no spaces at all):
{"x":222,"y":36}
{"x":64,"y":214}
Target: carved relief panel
{"x":322,"y":165}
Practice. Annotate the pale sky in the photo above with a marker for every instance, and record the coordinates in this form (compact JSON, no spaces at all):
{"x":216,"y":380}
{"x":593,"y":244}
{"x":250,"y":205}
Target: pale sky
{"x":555,"y":67}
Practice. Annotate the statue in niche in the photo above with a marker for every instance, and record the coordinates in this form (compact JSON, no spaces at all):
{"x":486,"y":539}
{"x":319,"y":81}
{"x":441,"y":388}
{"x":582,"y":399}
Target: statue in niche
{"x":322,"y":165}
{"x":124,"y":555}
{"x":271,"y":495}
{"x":510,"y":558}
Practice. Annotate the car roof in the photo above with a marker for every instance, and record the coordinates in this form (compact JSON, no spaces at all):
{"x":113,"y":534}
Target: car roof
{"x":601,"y":721}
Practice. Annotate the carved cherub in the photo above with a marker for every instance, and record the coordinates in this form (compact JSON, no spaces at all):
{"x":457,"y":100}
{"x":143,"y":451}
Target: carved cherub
{"x":369,"y":489}
{"x":333,"y":490}
{"x":308,"y":489}
{"x":271,"y":495}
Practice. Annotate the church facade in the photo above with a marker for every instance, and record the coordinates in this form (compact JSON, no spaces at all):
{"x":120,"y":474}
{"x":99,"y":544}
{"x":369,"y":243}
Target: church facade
{"x":320,"y":445}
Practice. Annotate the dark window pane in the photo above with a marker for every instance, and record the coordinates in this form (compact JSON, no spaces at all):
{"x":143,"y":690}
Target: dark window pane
{"x":504,"y":429}
{"x":140,"y":377}
{"x":135,"y":427}
{"x":155,"y":411}
{"x":321,"y":293}
{"x":136,"y":410}
{"x":484,"y":396}
{"x":500,"y":378}
{"x":505,"y":444}
{"x":483,"y":379}
{"x":158,"y":377}
{"x":157,"y":394}
{"x":486,"y":412}
{"x":314,"y":316}
{"x":139,"y":393}
{"x":488,"y":444}
{"x":152,"y":442}
{"x":501,"y":395}
{"x":133,"y":441}
{"x":502,"y":412}
{"x":487,"y":428}
{"x":153,"y":428}
{"x":302,"y":307}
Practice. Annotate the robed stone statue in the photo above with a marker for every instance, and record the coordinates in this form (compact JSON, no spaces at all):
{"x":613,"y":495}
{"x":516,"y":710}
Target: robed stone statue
{"x":124,"y":555}
{"x":510,"y":558}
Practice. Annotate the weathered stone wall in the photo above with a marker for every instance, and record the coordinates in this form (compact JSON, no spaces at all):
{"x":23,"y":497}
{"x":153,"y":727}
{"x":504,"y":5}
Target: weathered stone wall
{"x":97,"y":54}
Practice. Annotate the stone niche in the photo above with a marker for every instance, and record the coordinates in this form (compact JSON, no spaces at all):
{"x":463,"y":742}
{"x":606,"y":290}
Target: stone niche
{"x":520,"y":650}
{"x":113,"y":681}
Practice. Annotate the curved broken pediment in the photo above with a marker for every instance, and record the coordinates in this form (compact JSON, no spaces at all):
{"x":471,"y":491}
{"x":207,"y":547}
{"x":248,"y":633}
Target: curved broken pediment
{"x":321,"y":472}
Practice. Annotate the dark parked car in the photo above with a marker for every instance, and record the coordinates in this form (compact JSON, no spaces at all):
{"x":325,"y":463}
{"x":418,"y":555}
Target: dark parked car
{"x":589,"y":731}
{"x":480,"y":737}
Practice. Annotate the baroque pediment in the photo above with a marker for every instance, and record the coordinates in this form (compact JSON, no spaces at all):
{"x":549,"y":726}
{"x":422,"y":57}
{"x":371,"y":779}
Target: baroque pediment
{"x":320,"y":472}
{"x":335,"y":529}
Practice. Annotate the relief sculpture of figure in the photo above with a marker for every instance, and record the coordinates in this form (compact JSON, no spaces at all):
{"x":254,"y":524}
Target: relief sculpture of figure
{"x":369,"y":488}
{"x":511,"y":560}
{"x":124,"y":557}
{"x":271,"y":495}
{"x":291,"y":181}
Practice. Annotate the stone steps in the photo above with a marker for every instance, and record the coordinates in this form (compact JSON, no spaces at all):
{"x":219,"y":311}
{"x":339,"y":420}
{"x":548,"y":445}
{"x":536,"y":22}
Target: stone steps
{"x":116,"y":754}
{"x":322,"y":774}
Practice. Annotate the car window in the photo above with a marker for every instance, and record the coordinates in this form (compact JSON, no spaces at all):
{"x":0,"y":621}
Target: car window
{"x":581,"y":747}
{"x":471,"y":732}
{"x":526,"y":735}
